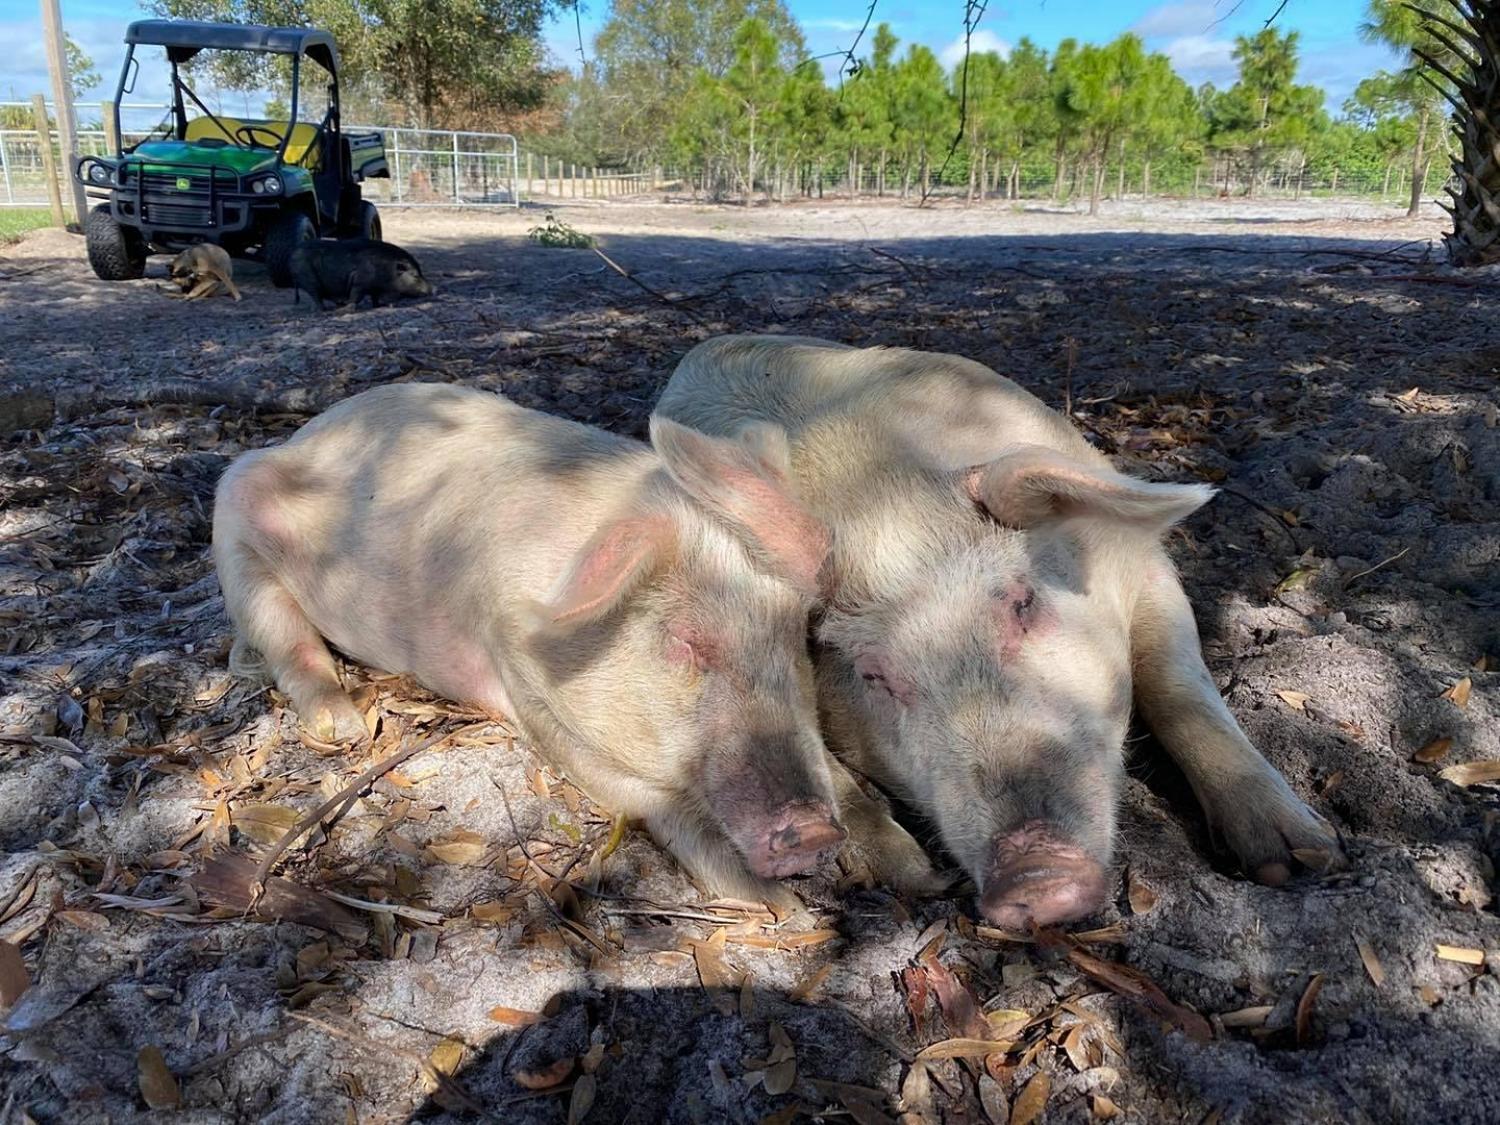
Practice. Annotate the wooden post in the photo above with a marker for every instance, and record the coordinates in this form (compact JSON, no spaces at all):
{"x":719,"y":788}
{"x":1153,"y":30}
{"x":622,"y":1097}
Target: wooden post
{"x":573,"y":180}
{"x":49,"y":164}
{"x":62,"y":99}
{"x":546,"y":177}
{"x":111,"y":134}
{"x":530,"y":187}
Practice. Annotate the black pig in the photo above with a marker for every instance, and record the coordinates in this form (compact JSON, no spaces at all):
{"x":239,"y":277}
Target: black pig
{"x":354,"y":269}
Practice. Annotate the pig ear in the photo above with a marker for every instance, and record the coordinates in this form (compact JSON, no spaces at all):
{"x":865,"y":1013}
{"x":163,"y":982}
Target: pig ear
{"x":1031,"y":484}
{"x":615,"y":561}
{"x":747,"y":481}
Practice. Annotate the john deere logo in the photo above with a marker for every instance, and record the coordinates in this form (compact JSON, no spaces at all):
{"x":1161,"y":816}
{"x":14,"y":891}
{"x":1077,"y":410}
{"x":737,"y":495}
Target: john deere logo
{"x":183,"y":183}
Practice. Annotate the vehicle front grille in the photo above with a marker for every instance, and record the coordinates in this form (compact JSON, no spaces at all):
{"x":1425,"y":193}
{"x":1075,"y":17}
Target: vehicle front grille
{"x":173,"y":214}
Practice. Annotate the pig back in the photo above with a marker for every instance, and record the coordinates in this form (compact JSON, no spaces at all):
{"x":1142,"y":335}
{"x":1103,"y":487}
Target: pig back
{"x":416,"y":519}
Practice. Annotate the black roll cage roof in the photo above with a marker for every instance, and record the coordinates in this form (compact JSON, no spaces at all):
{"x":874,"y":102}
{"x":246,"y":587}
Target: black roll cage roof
{"x":185,"y":38}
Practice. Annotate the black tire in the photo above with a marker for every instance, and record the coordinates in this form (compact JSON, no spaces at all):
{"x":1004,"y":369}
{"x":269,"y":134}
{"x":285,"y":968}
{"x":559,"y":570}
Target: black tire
{"x":368,"y":223}
{"x":286,"y":234}
{"x":117,"y":253}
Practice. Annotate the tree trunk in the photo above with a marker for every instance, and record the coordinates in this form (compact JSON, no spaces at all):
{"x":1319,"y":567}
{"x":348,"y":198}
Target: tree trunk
{"x":973,"y":175}
{"x":880,"y":177}
{"x":1098,"y":185}
{"x":1418,"y":167}
{"x":1146,"y":180}
{"x":1122,"y":171}
{"x":1057,"y":173}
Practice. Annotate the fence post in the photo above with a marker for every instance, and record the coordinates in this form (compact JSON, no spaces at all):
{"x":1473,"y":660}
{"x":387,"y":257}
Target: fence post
{"x":49,"y":163}
{"x":10,"y":196}
{"x":456,"y":199}
{"x":396,"y":154}
{"x":573,"y":180}
{"x":111,"y":134}
{"x":530,"y":188}
{"x":62,"y":96}
{"x":546,"y":176}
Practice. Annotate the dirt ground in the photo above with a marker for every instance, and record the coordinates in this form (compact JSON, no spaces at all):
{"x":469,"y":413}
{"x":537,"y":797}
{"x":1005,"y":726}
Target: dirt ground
{"x":501,"y":960}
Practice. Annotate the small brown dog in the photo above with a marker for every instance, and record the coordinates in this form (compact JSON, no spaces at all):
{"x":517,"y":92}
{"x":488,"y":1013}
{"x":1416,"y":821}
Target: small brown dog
{"x":200,"y":270}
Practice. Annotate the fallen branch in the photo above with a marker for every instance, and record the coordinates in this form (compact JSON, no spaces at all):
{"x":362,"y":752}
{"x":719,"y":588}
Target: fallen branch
{"x":1383,"y":562}
{"x":660,"y":296}
{"x":345,"y":796}
{"x":431,"y":917}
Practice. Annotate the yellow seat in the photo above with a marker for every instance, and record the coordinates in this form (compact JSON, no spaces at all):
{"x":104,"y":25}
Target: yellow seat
{"x":303,"y":148}
{"x":208,"y":128}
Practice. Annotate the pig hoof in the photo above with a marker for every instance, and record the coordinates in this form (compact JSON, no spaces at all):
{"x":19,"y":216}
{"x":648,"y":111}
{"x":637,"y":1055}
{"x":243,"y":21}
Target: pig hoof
{"x":339,"y":722}
{"x":1040,"y":880}
{"x":1274,"y":832}
{"x":798,"y":838}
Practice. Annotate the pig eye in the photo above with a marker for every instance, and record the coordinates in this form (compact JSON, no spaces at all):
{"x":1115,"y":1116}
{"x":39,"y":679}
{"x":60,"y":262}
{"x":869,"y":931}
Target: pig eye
{"x":688,"y":649}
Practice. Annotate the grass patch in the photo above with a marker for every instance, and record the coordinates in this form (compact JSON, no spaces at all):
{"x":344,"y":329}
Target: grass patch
{"x":558,"y":235}
{"x":16,"y":221}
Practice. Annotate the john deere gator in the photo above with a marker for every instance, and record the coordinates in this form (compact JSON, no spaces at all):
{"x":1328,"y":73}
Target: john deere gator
{"x":256,"y":186}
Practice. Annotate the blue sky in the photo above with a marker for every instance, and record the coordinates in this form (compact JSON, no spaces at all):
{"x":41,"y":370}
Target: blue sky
{"x":1198,"y":35}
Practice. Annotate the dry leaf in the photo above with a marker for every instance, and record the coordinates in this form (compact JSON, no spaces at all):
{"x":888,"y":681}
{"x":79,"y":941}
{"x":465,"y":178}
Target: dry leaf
{"x":992,"y":1101}
{"x":1305,"y":1006}
{"x":14,"y":979}
{"x":1103,"y":1109}
{"x":1483,"y":664}
{"x":499,"y":912}
{"x":265,"y":824}
{"x":1142,"y":897}
{"x":959,"y":1005}
{"x":1458,"y":694}
{"x":1136,"y":985}
{"x":781,"y":1073}
{"x":813,"y":982}
{"x":1471,"y":773}
{"x":514,"y":1017}
{"x":1006,"y":1022}
{"x":581,"y":1099}
{"x":85,"y":920}
{"x":1434,"y":751}
{"x":462,"y":847}
{"x":546,"y":1077}
{"x":962,"y":1048}
{"x":1430,"y":996}
{"x":1297,"y":700}
{"x":158,"y":1087}
{"x":1247,"y":1017}
{"x":1032,"y":1100}
{"x":539,"y":784}
{"x":447,"y":1057}
{"x":1462,"y":954}
{"x":1372,"y":962}
{"x":916,"y":1091}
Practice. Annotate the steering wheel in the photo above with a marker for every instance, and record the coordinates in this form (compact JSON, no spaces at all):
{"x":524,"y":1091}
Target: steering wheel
{"x":249,"y":132}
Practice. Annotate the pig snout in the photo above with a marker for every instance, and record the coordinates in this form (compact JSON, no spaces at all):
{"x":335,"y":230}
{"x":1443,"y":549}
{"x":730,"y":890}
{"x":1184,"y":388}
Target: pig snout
{"x":1039,"y":878}
{"x":794,"y":840}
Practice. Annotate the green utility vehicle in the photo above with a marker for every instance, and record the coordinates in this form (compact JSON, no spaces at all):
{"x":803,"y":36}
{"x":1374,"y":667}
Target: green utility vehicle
{"x":257,"y":187}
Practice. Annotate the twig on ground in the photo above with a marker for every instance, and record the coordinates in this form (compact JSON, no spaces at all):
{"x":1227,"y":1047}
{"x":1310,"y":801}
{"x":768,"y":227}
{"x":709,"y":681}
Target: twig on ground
{"x":230,"y":1052}
{"x":1383,"y":562}
{"x":1272,"y":513}
{"x":431,"y":917}
{"x":345,"y":796}
{"x":660,"y":296}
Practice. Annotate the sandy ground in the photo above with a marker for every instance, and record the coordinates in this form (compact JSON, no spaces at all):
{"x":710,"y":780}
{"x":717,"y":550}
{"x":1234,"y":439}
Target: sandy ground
{"x":1312,"y":359}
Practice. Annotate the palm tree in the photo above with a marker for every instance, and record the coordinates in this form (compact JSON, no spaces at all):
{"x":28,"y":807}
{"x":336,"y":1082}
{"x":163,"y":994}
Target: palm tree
{"x":1465,"y":51}
{"x":1404,"y":24}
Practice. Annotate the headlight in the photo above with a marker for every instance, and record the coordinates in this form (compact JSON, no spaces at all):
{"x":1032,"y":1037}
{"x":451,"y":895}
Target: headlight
{"x":266,"y":185}
{"x":99,"y":173}
{"x":259,"y":187}
{"x":273,"y":184}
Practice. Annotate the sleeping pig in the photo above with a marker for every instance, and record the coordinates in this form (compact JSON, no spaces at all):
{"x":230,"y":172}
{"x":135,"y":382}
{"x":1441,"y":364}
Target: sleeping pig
{"x":640,"y":611}
{"x":996,"y":595}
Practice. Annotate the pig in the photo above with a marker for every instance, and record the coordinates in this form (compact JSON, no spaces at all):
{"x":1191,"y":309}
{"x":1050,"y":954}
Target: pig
{"x":200,"y":271}
{"x":640,"y":611}
{"x":996,"y":596}
{"x":353,"y":269}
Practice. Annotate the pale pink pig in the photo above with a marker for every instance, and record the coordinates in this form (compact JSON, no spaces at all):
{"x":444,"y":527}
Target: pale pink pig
{"x":996,"y":595}
{"x":640,"y":611}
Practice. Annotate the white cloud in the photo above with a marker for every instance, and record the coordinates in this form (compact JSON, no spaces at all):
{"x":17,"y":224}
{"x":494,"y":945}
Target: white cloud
{"x":981,"y":42}
{"x":1193,"y":18}
{"x":1202,"y":58}
{"x":835,"y":25}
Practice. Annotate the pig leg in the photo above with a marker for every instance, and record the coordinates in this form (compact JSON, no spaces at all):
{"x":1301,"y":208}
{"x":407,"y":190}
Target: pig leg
{"x":1246,"y":801}
{"x":711,"y":858}
{"x":267,"y":617}
{"x":894,"y":857}
{"x":229,"y":284}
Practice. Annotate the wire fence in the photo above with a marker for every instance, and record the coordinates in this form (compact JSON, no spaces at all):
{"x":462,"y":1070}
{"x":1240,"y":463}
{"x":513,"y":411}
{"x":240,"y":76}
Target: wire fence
{"x":428,"y":167}
{"x":443,"y":168}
